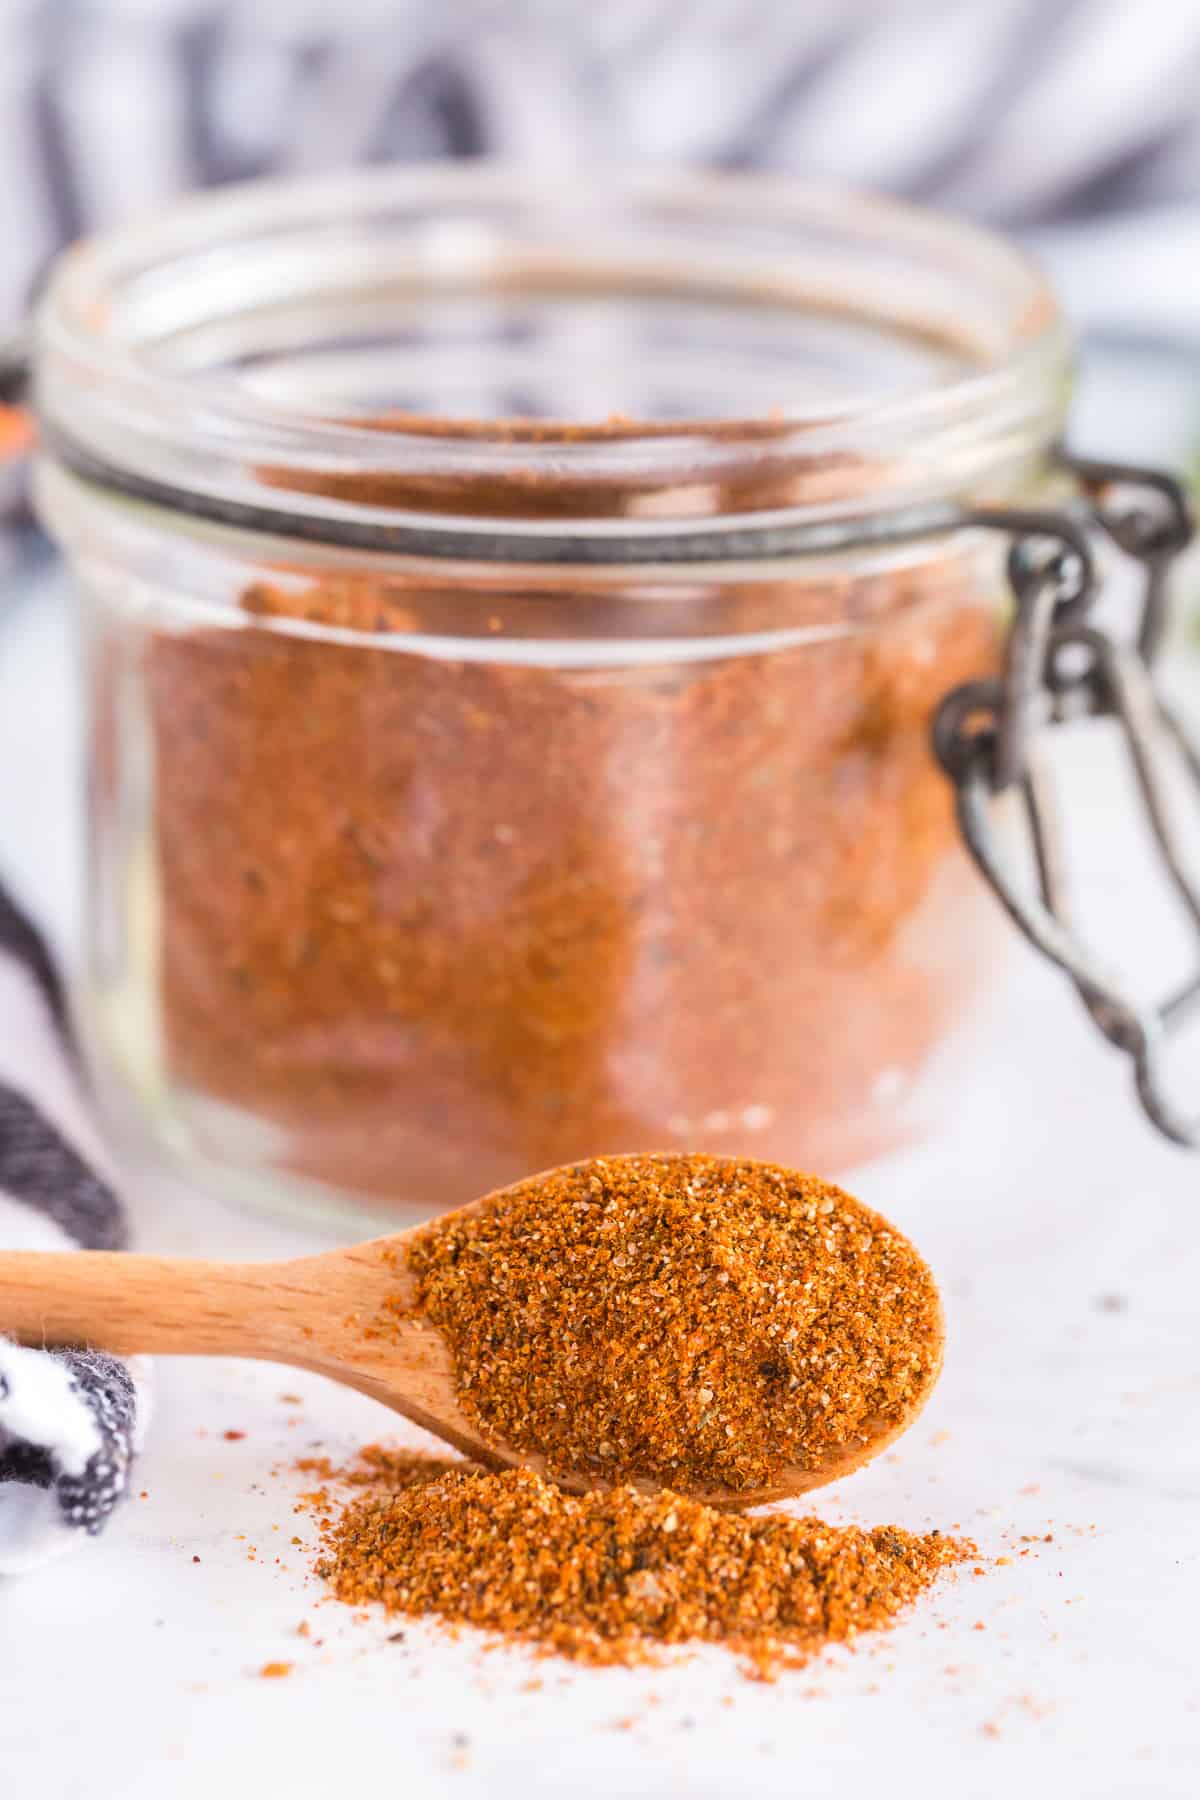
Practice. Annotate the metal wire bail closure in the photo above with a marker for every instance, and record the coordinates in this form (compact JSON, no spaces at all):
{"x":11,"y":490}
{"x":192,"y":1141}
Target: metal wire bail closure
{"x":991,"y":736}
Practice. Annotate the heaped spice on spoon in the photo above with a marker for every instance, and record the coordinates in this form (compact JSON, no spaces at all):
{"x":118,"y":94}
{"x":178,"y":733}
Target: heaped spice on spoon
{"x":699,"y":1320}
{"x":614,"y":1575}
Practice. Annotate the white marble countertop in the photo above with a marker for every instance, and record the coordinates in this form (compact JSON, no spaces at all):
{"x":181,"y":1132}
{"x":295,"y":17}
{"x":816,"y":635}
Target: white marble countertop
{"x":1065,"y":1436}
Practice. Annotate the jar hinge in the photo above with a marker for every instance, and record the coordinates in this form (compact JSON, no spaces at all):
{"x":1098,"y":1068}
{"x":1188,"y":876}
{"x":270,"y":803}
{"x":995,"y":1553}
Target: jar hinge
{"x":1059,"y":664}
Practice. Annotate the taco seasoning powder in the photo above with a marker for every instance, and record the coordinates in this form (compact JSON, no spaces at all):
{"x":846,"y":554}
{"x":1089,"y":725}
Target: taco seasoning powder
{"x":433,"y":922}
{"x":697,"y":1320}
{"x":613,"y":1576}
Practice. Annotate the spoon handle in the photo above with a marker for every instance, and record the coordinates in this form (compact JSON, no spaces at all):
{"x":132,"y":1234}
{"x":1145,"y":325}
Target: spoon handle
{"x":129,"y":1304}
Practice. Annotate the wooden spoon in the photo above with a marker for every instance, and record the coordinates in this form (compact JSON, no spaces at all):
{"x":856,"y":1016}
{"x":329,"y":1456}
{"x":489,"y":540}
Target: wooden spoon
{"x":318,"y":1313}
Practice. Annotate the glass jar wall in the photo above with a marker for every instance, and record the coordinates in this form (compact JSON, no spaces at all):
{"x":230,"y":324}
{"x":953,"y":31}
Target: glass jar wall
{"x":476,"y":784}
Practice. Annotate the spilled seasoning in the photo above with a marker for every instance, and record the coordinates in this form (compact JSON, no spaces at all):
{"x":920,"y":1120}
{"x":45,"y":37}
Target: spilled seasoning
{"x":613,"y":1577}
{"x":701,"y":1320}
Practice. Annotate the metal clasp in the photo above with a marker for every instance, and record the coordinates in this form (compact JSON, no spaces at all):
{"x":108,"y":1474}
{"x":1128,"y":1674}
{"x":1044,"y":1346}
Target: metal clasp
{"x":991,"y":736}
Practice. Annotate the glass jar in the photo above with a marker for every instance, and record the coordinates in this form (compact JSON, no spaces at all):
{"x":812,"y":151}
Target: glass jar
{"x":509,"y":698}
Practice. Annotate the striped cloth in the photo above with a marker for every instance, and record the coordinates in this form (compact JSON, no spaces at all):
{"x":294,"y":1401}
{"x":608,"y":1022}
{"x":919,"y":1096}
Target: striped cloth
{"x":70,"y":1420}
{"x":1041,"y":115}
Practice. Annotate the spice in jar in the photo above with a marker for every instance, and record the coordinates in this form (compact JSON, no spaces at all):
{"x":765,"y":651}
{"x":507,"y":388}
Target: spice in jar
{"x":450,"y":919}
{"x":613,"y":1576}
{"x":699,"y":1320}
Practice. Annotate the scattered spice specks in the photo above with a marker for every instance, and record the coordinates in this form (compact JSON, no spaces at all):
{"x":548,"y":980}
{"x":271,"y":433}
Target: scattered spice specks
{"x":598,"y":1577}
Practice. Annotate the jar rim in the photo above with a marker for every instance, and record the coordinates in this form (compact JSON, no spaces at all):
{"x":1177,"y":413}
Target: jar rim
{"x":111,"y":400}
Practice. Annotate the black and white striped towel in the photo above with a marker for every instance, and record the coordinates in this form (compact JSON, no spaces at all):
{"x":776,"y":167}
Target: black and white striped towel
{"x":70,"y":1420}
{"x":1050,"y":117}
